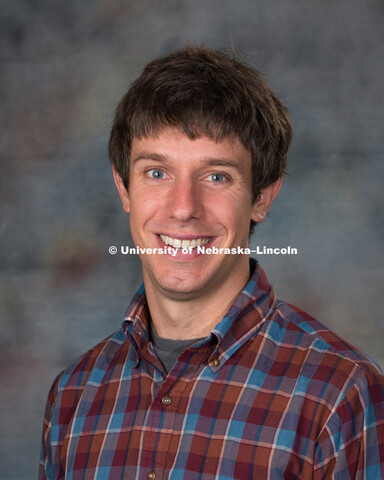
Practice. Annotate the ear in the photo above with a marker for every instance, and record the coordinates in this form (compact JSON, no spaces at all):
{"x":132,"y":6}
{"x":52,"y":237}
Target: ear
{"x":263,"y":204}
{"x":124,"y":197}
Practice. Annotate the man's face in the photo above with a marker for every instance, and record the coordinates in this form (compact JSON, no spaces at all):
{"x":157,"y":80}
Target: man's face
{"x":185,"y":193}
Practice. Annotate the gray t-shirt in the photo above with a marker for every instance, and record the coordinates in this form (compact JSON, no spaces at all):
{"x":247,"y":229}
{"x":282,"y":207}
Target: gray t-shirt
{"x":168,"y":350}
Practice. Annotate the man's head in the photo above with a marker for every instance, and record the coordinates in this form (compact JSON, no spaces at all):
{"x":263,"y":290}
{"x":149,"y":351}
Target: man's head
{"x":205,"y":93}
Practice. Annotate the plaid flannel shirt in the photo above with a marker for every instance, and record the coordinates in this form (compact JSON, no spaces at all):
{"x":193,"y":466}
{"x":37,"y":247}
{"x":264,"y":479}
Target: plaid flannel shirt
{"x":270,"y":394}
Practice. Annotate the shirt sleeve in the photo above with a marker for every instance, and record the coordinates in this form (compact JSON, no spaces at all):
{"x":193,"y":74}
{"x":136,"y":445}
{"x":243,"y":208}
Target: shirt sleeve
{"x":46,"y":464}
{"x":351,"y":444}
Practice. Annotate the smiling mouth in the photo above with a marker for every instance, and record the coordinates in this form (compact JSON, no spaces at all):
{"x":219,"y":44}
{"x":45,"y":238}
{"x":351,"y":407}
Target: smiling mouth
{"x":179,"y":243}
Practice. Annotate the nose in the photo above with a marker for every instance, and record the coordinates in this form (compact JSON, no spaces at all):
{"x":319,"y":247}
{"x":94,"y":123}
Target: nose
{"x":185,"y":201}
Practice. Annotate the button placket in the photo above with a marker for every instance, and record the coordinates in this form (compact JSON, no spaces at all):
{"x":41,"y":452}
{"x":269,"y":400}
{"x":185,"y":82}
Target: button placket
{"x":166,"y":400}
{"x":215,"y":362}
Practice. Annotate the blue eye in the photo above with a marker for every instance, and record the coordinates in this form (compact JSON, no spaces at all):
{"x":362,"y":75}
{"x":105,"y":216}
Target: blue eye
{"x":217,"y":177}
{"x":156,"y":173}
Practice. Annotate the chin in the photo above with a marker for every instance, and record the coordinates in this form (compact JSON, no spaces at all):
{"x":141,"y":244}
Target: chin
{"x":181,"y":285}
{"x":177,"y":287}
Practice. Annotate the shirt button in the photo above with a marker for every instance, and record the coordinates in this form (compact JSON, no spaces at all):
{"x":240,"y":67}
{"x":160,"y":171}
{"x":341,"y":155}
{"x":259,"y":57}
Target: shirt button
{"x":215,"y":362}
{"x":151,"y":475}
{"x":166,"y":400}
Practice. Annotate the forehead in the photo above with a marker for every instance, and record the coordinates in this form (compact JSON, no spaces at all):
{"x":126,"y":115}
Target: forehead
{"x":173,"y":144}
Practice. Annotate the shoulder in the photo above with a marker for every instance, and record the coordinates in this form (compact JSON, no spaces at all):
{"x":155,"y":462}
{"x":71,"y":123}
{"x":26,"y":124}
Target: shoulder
{"x":320,"y":363}
{"x":301,"y":329}
{"x":90,"y":367}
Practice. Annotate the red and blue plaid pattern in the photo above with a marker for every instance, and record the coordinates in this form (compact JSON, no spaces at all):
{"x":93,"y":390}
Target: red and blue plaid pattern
{"x":270,"y":394}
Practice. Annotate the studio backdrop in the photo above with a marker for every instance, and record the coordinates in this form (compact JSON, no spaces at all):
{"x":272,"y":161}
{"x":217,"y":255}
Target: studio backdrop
{"x":64,"y":67}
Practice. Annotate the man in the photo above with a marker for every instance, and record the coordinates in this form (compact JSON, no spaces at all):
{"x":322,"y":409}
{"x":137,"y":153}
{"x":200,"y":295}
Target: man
{"x":210,"y":377}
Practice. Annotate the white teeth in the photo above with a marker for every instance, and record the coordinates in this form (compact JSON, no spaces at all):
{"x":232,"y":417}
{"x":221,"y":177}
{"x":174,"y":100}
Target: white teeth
{"x":201,"y":242}
{"x":185,"y":244}
{"x":177,"y":243}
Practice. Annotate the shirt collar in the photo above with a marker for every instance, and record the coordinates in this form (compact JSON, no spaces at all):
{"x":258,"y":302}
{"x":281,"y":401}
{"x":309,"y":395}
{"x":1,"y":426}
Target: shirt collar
{"x":136,"y":325}
{"x":246,"y":314}
{"x":243,"y":319}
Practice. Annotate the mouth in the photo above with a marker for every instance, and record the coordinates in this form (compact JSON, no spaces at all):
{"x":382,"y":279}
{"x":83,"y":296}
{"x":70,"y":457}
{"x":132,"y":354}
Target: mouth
{"x":179,"y":243}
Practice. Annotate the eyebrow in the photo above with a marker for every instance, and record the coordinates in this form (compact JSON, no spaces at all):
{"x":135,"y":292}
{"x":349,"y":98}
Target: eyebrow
{"x":157,"y":157}
{"x":149,"y":156}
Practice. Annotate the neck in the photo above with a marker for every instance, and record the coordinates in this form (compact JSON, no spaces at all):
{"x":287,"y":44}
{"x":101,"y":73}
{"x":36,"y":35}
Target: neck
{"x":184,"y":319}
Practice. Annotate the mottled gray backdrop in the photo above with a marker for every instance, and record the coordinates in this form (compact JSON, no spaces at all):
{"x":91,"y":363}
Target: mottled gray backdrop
{"x":64,"y":67}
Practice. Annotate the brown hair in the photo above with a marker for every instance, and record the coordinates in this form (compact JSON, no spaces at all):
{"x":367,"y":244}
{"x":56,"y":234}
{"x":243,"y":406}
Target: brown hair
{"x":205,"y":93}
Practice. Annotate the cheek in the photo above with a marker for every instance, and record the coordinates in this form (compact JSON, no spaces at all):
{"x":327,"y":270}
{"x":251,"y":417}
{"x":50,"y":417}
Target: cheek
{"x":146,"y":211}
{"x":233,"y":215}
{"x":142,"y":204}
